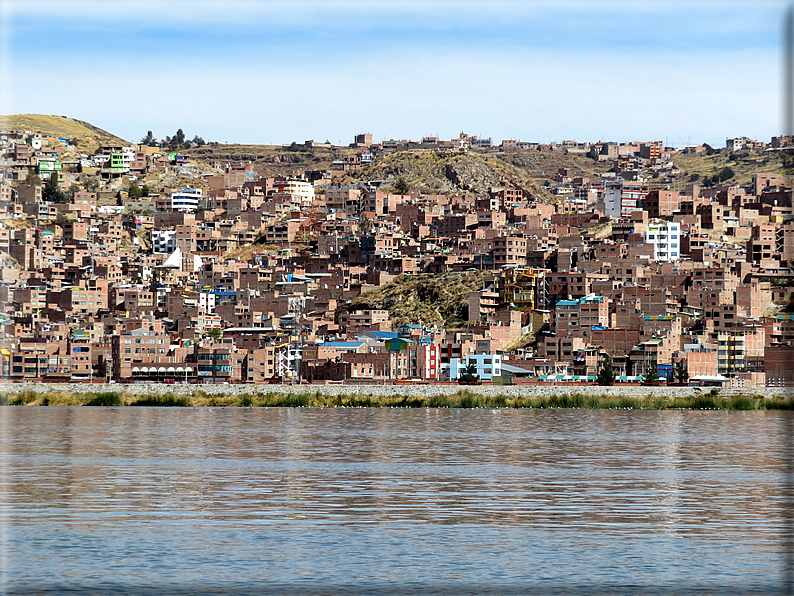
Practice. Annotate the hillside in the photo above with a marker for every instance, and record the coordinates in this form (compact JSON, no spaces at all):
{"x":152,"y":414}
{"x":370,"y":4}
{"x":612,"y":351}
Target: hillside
{"x":427,"y":299}
{"x":60,"y":126}
{"x":476,"y":172}
{"x":697,"y":165}
{"x":271,"y":159}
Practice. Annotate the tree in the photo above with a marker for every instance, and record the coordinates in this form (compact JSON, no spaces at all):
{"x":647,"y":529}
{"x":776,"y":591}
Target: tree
{"x":145,"y":191}
{"x":135,"y":191}
{"x":726,"y":173}
{"x":90,"y":183}
{"x":180,"y":137}
{"x":51,"y":192}
{"x":401,"y":186}
{"x":216,"y":333}
{"x":198,"y":141}
{"x":606,"y":376}
{"x":469,"y":375}
{"x":681,"y":373}
{"x":651,"y":376}
{"x":61,"y":219}
{"x":364,"y":224}
{"x":148,"y":139}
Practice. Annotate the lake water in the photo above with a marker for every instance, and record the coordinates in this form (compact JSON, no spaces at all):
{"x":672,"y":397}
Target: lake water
{"x":392,"y":501}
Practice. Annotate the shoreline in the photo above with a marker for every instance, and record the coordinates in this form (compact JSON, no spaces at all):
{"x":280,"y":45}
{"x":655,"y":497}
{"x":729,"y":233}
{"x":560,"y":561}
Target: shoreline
{"x":391,"y":396}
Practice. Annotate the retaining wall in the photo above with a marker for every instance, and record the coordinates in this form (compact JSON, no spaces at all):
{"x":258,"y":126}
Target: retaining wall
{"x":510,"y":391}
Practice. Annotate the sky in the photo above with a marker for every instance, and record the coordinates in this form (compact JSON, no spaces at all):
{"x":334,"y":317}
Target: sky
{"x":267,"y":71}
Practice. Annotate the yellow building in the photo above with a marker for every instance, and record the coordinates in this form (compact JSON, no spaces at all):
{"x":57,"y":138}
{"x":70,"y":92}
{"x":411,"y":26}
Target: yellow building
{"x":520,"y":287}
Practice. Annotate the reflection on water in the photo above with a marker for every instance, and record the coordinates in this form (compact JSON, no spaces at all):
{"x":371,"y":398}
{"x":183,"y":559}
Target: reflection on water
{"x":422,"y":501}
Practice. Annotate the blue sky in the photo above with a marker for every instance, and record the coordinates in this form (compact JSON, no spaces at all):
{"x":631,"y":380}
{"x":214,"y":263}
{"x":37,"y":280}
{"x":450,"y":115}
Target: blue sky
{"x":260,"y":71}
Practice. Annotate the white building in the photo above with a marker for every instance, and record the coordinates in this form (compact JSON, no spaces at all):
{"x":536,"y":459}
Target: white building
{"x":186,"y":199}
{"x":666,"y":239}
{"x":127,"y":157}
{"x":303,"y":191}
{"x":163,"y":241}
{"x":736,"y":144}
{"x":488,"y":366}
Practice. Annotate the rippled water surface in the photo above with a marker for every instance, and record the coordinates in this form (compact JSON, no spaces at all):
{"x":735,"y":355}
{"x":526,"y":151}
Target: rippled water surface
{"x":322,"y":501}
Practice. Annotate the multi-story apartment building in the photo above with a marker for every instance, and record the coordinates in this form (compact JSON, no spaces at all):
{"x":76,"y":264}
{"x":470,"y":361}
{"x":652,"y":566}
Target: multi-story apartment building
{"x":163,"y":241}
{"x":186,"y":199}
{"x":576,"y":318}
{"x":665,"y":236}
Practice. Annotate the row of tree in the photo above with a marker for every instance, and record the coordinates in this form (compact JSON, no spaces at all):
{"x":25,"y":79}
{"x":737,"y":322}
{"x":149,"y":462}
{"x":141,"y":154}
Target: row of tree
{"x":178,"y":141}
{"x":606,"y":374}
{"x":138,"y":191}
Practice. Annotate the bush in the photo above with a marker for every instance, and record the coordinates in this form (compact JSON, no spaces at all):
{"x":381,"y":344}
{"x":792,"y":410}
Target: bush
{"x":440,"y":401}
{"x":291,"y":400}
{"x":411,"y":402}
{"x":164,"y":401}
{"x":470,"y":401}
{"x":742,"y":402}
{"x":107,"y":399}
{"x":401,"y":186}
{"x":23,"y":398}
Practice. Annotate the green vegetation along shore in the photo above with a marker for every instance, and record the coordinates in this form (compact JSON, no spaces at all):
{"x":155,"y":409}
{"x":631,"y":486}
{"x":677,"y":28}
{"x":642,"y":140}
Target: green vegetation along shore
{"x":461,"y":399}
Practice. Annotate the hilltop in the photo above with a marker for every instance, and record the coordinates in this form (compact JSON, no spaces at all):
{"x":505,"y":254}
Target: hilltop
{"x":426,"y":170}
{"x":61,"y":126}
{"x":477,"y":172}
{"x":269,"y":160}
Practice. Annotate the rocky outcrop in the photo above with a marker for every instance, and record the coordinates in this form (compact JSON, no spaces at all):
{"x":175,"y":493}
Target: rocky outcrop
{"x":471,"y":176}
{"x":432,"y":171}
{"x":438,"y":299}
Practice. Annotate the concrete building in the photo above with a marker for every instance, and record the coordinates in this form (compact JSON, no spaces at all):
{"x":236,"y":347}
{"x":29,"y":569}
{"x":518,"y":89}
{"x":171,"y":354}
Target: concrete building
{"x":186,"y":199}
{"x":666,"y":239}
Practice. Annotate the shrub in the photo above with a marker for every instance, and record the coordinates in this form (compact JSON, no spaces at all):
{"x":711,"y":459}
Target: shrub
{"x":292,"y":400}
{"x":164,"y":401}
{"x":106,"y":399}
{"x":23,"y":398}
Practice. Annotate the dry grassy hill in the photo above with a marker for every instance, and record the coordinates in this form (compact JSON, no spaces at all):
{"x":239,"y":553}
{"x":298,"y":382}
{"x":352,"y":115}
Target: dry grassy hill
{"x":61,"y":126}
{"x":432,"y":171}
{"x":271,"y":159}
{"x":697,"y":165}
